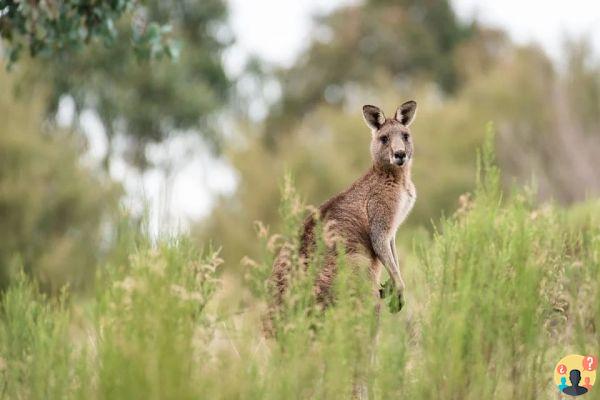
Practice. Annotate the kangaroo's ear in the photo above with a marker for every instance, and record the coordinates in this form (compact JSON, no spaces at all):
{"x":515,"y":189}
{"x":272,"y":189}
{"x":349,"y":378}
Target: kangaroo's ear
{"x":405,"y":114}
{"x":373,"y":116}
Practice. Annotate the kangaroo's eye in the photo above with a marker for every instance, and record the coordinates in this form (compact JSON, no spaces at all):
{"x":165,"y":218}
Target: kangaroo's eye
{"x":384,"y":139}
{"x":405,"y":136}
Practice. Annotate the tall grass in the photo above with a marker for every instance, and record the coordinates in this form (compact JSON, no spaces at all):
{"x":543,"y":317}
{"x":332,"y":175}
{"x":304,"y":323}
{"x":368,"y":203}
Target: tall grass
{"x":496,"y":296}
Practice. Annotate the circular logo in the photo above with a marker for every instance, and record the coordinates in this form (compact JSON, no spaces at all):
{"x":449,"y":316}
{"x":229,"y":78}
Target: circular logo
{"x":575,"y":374}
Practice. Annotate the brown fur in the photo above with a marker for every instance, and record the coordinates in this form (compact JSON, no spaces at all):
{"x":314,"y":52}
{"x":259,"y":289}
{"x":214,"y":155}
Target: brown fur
{"x":365,"y":216}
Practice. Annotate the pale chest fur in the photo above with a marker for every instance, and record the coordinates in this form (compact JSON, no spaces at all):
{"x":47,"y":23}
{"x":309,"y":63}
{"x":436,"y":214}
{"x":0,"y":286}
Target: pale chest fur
{"x":404,"y":204}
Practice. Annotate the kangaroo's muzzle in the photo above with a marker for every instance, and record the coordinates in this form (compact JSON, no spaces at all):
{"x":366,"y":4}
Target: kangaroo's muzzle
{"x":399,"y":157}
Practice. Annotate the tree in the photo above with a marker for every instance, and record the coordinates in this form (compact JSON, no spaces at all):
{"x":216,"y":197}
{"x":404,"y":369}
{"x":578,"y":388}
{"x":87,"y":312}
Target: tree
{"x":583,"y":84}
{"x":355,"y":45}
{"x":50,"y":27}
{"x":149,"y":101}
{"x":52,"y":209}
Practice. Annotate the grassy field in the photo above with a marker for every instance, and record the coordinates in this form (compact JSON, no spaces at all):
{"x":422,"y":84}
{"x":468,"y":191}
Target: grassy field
{"x":495,"y":297}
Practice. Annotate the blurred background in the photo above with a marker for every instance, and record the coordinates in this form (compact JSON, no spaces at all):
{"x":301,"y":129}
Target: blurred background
{"x":185,"y":115}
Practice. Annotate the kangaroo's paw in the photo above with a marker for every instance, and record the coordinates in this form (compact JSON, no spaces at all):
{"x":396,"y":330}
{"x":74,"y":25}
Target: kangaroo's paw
{"x":396,"y":302}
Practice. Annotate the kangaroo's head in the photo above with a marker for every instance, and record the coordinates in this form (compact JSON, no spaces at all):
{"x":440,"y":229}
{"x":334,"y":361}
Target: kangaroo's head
{"x":391,"y":142}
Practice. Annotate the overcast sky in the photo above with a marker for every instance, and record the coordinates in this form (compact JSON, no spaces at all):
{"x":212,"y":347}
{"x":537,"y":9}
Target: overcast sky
{"x":277,"y":30}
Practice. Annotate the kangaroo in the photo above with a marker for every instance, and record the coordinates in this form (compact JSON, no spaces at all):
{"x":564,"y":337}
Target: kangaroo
{"x":367,"y":215}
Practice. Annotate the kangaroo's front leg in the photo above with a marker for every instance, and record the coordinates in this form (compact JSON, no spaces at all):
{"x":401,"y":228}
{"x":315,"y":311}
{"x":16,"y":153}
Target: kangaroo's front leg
{"x":384,"y":252}
{"x":400,"y":303}
{"x":394,"y":254}
{"x":382,"y":245}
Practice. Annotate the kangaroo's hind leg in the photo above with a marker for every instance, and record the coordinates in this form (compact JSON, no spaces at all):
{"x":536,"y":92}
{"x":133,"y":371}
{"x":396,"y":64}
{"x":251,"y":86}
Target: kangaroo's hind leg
{"x":361,"y":388}
{"x":325,"y":278}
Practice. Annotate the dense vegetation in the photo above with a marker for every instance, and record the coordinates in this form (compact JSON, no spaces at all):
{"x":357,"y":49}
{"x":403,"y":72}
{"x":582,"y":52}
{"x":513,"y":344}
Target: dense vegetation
{"x":495,"y":297}
{"x":51,"y":207}
{"x":502,"y":270}
{"x":48,"y":28}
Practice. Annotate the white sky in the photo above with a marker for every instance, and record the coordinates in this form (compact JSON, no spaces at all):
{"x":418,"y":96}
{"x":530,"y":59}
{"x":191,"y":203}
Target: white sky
{"x":274,"y":29}
{"x":277,"y":30}
{"x":542,"y":21}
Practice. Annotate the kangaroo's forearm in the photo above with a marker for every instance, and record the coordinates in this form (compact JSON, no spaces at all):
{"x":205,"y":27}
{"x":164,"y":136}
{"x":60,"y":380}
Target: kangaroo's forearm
{"x":397,"y":263}
{"x":384,"y":252}
{"x":394,"y":254}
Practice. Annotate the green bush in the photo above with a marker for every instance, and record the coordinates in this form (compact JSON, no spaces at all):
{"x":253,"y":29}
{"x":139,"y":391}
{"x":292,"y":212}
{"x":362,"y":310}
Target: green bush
{"x":140,"y":337}
{"x":495,"y":297}
{"x":52,"y":208}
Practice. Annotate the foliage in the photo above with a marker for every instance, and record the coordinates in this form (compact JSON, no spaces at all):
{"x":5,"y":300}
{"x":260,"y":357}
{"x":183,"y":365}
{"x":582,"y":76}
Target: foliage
{"x":583,"y":85}
{"x":496,"y":296}
{"x":143,"y":103}
{"x":34,"y":344}
{"x":497,"y":291}
{"x":140,"y":337}
{"x":51,"y":207}
{"x":150,"y":321}
{"x":48,"y":28}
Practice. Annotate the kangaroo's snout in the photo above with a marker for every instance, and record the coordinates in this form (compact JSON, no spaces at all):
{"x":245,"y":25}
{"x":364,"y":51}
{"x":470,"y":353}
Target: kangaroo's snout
{"x":399,"y":157}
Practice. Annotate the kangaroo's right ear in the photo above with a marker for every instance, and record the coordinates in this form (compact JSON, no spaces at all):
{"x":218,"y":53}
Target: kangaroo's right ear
{"x":373,"y":116}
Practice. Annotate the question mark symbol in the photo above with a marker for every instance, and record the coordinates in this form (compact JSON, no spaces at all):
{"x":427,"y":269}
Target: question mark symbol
{"x":590,"y":363}
{"x":561,"y":369}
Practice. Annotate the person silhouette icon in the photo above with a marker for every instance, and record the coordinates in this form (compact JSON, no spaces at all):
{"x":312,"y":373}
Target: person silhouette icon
{"x":587,"y":383}
{"x":574,"y":389}
{"x":563,"y":383}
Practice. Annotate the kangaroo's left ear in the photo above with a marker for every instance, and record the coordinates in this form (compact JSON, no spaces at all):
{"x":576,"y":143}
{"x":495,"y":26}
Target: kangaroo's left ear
{"x":405,"y":114}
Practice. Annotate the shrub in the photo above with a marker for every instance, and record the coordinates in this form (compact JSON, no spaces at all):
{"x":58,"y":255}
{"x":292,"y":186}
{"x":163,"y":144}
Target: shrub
{"x":495,"y":297}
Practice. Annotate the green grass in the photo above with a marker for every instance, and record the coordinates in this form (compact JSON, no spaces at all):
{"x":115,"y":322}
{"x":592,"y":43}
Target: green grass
{"x":496,"y":296}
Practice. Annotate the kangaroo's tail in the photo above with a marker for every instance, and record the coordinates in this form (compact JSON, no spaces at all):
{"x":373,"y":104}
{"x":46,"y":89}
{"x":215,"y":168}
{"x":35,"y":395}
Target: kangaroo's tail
{"x":278,"y":284}
{"x":282,"y":267}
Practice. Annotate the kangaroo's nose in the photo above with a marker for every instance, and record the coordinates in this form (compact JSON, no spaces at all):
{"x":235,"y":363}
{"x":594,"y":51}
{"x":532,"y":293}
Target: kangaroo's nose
{"x":399,"y":156}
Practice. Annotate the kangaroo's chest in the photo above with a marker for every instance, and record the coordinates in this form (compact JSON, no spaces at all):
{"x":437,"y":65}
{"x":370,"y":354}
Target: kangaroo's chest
{"x":405,"y":200}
